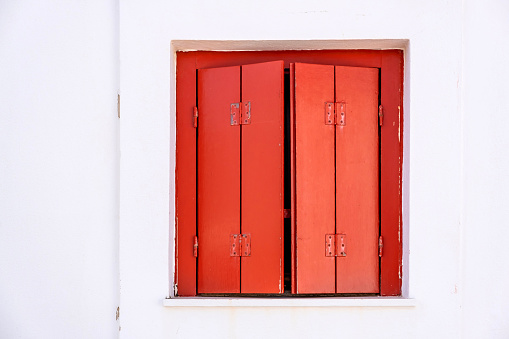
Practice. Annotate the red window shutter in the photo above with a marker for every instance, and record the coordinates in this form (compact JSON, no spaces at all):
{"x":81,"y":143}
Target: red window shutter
{"x":314,"y":178}
{"x":262,"y":178}
{"x":218,"y":180}
{"x":240,"y":179}
{"x":336,"y":179}
{"x":357,"y":180}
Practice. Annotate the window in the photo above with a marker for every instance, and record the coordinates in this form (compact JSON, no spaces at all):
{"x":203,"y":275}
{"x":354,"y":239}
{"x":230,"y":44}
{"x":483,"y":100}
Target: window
{"x":288,"y":173}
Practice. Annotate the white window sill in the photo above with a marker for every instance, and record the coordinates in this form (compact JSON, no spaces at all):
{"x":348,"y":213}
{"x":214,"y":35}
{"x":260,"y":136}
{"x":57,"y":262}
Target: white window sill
{"x":290,"y":302}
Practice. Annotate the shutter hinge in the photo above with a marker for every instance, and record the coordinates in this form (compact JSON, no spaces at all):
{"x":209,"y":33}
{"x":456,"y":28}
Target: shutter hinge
{"x":240,"y":113}
{"x":335,"y":245}
{"x":335,"y":113}
{"x":330,"y":113}
{"x":195,"y":117}
{"x":380,"y":115}
{"x":195,"y":247}
{"x":240,"y":245}
{"x":380,"y":246}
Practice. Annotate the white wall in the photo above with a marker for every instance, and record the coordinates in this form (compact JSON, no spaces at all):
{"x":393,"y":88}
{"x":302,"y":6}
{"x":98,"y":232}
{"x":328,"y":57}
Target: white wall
{"x":61,"y":186}
{"x":58,"y":169}
{"x":485,"y":177}
{"x":444,"y":207}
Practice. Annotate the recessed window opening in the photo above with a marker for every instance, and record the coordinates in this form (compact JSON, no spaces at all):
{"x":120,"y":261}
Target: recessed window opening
{"x":288,"y":173}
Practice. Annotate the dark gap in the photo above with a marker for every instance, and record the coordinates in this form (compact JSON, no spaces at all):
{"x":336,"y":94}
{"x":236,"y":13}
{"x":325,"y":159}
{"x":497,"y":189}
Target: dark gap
{"x":196,"y":194}
{"x":379,"y":179}
{"x":287,"y":187}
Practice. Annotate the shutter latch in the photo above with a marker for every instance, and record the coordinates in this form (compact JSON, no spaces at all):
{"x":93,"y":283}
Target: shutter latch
{"x":195,"y":117}
{"x":240,"y":245}
{"x":335,"y":113}
{"x":240,"y":113}
{"x":335,"y":245}
{"x":195,"y":246}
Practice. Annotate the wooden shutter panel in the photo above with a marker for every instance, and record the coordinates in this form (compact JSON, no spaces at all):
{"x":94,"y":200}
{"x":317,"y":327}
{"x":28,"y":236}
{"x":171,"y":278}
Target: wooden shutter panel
{"x":240,"y":179}
{"x":357,"y":182}
{"x":218,"y":180}
{"x":262,"y":178}
{"x":314,"y":178}
{"x":336,"y":179}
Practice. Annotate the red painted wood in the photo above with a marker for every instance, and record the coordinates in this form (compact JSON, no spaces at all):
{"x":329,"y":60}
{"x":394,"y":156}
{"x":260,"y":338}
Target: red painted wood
{"x":262,"y":178}
{"x":357,"y":180}
{"x":218,"y":180}
{"x":391,"y":166}
{"x":366,"y":58}
{"x":314,"y":154}
{"x":185,"y":178}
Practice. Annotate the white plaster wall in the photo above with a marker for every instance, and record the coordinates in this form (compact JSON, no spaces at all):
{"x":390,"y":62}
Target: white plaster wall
{"x":485,"y":177}
{"x":58,"y":169}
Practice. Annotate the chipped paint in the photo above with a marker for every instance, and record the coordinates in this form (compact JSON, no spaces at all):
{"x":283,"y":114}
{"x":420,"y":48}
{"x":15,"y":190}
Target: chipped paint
{"x":399,"y":191}
{"x":280,"y":274}
{"x":399,"y":124}
{"x":399,"y":229}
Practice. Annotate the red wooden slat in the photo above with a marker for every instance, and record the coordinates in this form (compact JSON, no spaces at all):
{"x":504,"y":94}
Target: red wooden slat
{"x":314,"y":85}
{"x":218,"y":180}
{"x":391,"y":164}
{"x":185,"y":177}
{"x":262,"y":178}
{"x":357,"y":180}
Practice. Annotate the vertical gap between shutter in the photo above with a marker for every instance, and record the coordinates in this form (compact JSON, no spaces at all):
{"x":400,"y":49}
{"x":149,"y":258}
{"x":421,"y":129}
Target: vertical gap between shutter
{"x":287,"y":234}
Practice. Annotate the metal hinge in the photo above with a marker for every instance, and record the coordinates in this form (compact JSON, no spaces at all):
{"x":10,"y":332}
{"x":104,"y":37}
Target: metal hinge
{"x":335,"y":245}
{"x":240,"y":245}
{"x":240,"y":113}
{"x":195,"y":246}
{"x":380,"y":115}
{"x":380,"y":246}
{"x":335,"y":113}
{"x":195,"y":117}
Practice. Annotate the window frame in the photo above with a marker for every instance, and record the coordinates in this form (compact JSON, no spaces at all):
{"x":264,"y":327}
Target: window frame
{"x":390,"y":63}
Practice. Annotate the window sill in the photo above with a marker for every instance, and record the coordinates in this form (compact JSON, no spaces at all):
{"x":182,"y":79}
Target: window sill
{"x":290,"y":302}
